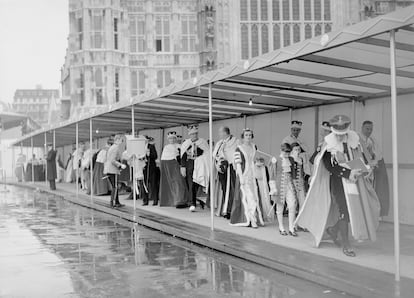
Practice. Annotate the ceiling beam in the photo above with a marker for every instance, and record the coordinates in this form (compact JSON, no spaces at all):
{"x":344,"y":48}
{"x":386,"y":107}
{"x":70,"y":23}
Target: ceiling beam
{"x":312,"y":89}
{"x":354,"y":65}
{"x":386,"y":44}
{"x":317,"y":76}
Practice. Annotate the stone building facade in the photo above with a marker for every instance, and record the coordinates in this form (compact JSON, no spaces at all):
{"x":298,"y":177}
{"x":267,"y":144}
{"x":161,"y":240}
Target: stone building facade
{"x":118,"y":49}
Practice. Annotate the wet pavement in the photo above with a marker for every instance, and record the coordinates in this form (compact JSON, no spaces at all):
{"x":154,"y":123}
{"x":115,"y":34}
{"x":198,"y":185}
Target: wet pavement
{"x":52,"y":248}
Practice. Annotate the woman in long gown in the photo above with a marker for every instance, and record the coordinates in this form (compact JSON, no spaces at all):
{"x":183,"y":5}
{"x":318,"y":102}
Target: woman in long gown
{"x":246,"y":208}
{"x":101,"y":185}
{"x":69,"y":169}
{"x":261,"y":175}
{"x":173,"y":190}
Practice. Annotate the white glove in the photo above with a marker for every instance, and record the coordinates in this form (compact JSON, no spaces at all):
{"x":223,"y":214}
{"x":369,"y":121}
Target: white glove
{"x":242,"y":180}
{"x":273,"y":189}
{"x":123,"y":166}
{"x":355,"y":175}
{"x":183,"y":172}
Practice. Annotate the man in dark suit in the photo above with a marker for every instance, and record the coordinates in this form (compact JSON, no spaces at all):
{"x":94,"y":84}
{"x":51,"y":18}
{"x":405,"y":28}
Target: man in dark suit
{"x":51,"y":166}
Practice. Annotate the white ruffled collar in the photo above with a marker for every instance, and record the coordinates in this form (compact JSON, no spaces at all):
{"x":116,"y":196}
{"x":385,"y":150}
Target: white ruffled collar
{"x":332,"y":143}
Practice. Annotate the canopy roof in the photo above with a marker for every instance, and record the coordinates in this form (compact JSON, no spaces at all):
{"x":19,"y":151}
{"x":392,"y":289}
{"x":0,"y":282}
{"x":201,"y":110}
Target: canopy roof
{"x":351,"y":64}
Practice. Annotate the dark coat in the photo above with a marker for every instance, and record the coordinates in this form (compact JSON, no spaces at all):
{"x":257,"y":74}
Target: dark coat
{"x":51,"y":165}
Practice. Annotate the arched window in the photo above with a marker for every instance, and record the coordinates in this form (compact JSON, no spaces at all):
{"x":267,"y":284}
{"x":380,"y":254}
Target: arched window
{"x":255,"y":41}
{"x":243,"y":10}
{"x":276,"y":10}
{"x":286,"y":35}
{"x":327,"y":10}
{"x":317,"y":10}
{"x":276,"y":37}
{"x":134,"y":83}
{"x":295,"y":10}
{"x":167,"y":78}
{"x":318,"y":29}
{"x":296,"y":33}
{"x":308,"y":31}
{"x":185,"y":75}
{"x":160,"y":79}
{"x":307,"y":10}
{"x":263,"y":10}
{"x":193,"y":74}
{"x":253,"y":10}
{"x":265,"y":39}
{"x":98,"y":86}
{"x":141,"y":82}
{"x":286,"y":10}
{"x":244,"y":42}
{"x":328,"y":28}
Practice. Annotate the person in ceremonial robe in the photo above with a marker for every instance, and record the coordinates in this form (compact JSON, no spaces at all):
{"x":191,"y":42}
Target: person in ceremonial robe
{"x":294,"y":137}
{"x":223,"y":155}
{"x":151,"y":172}
{"x":51,"y":167}
{"x":70,"y":173}
{"x":101,"y":184}
{"x":60,"y":168}
{"x":19,"y":170}
{"x":86,"y":163}
{"x":76,"y":161}
{"x":138,"y":166}
{"x":194,"y":165}
{"x":283,"y":188}
{"x":112,"y":168}
{"x":339,"y":195}
{"x":379,"y":177}
{"x":261,"y":174}
{"x":173,"y":189}
{"x":324,"y":131}
{"x":246,"y":209}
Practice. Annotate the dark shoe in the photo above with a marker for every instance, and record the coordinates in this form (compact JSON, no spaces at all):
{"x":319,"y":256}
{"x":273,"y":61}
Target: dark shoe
{"x":202,"y":204}
{"x":182,"y":206}
{"x":348,"y":251}
{"x":118,"y":205}
{"x":293,"y":233}
{"x":155,"y":203}
{"x":283,"y":233}
{"x":111,"y":203}
{"x":145,"y":204}
{"x":334,"y":236}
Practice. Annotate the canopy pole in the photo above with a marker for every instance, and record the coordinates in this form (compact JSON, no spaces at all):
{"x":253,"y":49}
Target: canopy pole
{"x":46,"y":155}
{"x":290,"y":114}
{"x":245,"y":121}
{"x":90,"y":160}
{"x":395,"y":155}
{"x":133,"y":163}
{"x":76,"y":161}
{"x":210,"y":130}
{"x":353,"y":114}
{"x":54,"y":139}
{"x":13,"y":163}
{"x":31,"y":145}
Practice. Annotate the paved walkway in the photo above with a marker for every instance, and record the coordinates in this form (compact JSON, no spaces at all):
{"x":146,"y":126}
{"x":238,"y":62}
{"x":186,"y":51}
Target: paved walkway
{"x":369,"y":272}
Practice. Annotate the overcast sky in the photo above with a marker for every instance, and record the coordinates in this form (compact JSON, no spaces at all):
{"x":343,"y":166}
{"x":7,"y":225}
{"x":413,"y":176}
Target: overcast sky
{"x":33,"y":40}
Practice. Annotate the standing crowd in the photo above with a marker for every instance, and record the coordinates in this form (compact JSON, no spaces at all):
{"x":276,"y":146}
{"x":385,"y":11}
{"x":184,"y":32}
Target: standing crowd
{"x":342,"y":185}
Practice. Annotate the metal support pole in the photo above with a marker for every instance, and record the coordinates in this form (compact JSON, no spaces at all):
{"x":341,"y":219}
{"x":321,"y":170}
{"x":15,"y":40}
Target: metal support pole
{"x":353,"y":114}
{"x":245,"y":121}
{"x":134,"y":193}
{"x":75,"y":157}
{"x":31,"y":145}
{"x":13,"y":163}
{"x":210,"y":130}
{"x":291,"y":115}
{"x":46,"y":156}
{"x":395,"y":155}
{"x":90,"y":159}
{"x":54,"y":139}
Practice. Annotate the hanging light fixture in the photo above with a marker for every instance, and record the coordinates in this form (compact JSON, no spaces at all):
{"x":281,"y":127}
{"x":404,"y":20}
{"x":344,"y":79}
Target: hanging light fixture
{"x":250,"y":102}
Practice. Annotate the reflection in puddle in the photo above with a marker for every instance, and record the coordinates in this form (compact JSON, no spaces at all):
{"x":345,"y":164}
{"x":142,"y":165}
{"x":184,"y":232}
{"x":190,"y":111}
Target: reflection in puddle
{"x":52,"y":248}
